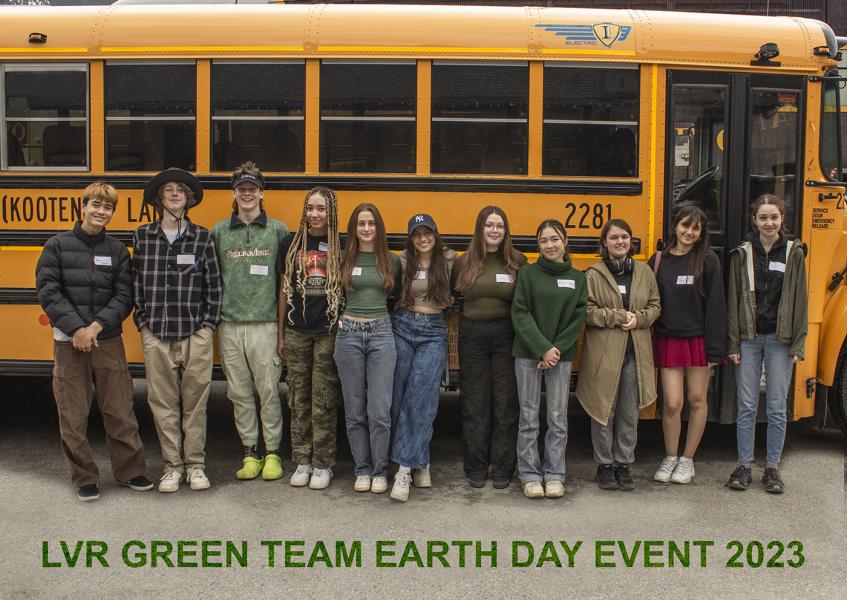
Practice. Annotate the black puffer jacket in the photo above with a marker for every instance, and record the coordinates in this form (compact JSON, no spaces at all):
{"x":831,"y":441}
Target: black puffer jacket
{"x":82,"y":278}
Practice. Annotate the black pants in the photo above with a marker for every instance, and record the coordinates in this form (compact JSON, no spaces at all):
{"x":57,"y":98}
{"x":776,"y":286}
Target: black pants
{"x":489,"y":396}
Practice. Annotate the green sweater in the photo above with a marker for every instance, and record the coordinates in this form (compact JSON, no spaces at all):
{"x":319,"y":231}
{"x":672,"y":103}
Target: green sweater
{"x":490,"y":297}
{"x":367,"y":299}
{"x":548,"y":309}
{"x":248,"y":257}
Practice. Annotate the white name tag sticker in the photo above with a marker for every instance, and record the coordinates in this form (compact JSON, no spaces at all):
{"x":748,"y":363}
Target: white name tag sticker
{"x":685,"y":280}
{"x":356,"y":272}
{"x":322,"y":246}
{"x":185,"y":259}
{"x":258,"y":269}
{"x":106,"y":261}
{"x":622,"y":289}
{"x":421,"y":275}
{"x":566,"y":283}
{"x":504,"y":278}
{"x":776,"y":266}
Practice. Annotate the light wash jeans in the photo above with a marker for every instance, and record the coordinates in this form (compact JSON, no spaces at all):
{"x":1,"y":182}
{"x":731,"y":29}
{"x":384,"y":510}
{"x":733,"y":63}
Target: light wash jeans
{"x":778,"y":368}
{"x":365,"y":353}
{"x":421,"y":342}
{"x":557,"y":381}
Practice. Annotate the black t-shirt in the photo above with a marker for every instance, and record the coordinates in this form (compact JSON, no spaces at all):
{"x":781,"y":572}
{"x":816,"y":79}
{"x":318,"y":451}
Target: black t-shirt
{"x":624,"y":281}
{"x":314,"y":317}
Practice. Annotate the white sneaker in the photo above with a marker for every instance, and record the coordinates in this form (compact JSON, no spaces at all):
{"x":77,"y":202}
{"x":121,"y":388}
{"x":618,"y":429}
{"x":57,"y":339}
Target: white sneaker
{"x":684,"y":471}
{"x":301,"y":476}
{"x":400,"y":489}
{"x":666,"y":468}
{"x":533,"y":489}
{"x":170,"y":482}
{"x":363,"y":483}
{"x":320,"y":479}
{"x":197,"y":479}
{"x":421,"y":477}
{"x":379,"y":484}
{"x":554,"y":488}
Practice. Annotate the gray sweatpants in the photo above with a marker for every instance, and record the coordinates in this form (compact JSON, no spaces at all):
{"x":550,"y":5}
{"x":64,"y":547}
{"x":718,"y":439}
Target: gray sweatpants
{"x":615,"y":443}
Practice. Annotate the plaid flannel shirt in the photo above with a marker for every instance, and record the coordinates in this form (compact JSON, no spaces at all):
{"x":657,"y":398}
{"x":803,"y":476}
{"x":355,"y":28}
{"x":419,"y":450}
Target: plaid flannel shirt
{"x":177,"y":287}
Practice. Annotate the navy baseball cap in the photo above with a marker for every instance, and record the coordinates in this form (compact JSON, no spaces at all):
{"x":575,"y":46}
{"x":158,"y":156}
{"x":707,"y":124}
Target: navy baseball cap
{"x":246,"y":177}
{"x":422,"y":219}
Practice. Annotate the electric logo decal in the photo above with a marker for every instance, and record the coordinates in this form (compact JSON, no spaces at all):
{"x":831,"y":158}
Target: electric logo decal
{"x":606,"y":34}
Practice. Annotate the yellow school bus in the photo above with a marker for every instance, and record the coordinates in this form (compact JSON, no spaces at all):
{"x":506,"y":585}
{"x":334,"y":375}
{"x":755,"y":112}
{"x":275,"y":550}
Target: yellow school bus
{"x":577,"y":114}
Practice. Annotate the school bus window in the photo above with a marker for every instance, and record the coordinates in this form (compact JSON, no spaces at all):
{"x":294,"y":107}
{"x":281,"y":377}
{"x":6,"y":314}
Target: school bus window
{"x":368,"y":117}
{"x":45,"y":111}
{"x":699,"y":118}
{"x":774,"y":141}
{"x":258,"y":114}
{"x":830,"y":123}
{"x":590,"y":121}
{"x":150,"y":116}
{"x":479,"y":118}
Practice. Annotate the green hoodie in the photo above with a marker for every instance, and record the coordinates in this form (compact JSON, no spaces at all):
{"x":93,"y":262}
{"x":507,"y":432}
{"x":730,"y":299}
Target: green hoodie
{"x":548,"y":309}
{"x":247,"y":254}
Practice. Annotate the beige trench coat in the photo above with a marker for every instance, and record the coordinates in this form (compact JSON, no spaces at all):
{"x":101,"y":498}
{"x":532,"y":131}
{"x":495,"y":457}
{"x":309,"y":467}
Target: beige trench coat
{"x":604,"y":344}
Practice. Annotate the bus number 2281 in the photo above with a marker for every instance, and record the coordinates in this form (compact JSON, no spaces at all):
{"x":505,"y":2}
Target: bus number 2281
{"x":586,"y":216}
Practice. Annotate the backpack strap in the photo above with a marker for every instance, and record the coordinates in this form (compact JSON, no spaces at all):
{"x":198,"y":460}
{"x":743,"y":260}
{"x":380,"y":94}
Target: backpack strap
{"x":656,"y":262}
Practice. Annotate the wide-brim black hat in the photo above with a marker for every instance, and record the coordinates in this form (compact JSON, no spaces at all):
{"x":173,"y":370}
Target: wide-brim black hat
{"x":151,"y":190}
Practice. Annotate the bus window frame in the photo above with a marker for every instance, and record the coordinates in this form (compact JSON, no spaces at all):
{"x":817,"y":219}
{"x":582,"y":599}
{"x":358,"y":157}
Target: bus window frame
{"x":635,"y":124}
{"x":832,"y":77}
{"x":28,"y":67}
{"x":525,"y":63}
{"x":245,"y":118}
{"x":130,"y":119}
{"x":754,"y":85}
{"x":365,"y":119}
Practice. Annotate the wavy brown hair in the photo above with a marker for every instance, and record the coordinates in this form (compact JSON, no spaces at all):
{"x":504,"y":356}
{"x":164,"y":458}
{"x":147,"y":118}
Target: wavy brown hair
{"x":381,"y":252}
{"x":473,"y":264}
{"x":296,"y":274}
{"x":697,"y":256}
{"x":438,"y":276}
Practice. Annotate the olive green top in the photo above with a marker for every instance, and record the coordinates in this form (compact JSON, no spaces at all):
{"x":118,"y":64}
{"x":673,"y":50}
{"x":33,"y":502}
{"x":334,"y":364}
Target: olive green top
{"x":490,"y":297}
{"x":367,"y":299}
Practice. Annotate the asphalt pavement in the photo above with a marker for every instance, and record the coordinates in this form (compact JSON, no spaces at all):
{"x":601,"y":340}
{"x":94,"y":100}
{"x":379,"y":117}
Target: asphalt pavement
{"x":450,"y":541}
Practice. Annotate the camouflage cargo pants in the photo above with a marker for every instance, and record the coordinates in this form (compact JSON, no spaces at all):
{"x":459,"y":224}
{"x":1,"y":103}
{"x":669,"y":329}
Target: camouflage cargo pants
{"x":313,"y":396}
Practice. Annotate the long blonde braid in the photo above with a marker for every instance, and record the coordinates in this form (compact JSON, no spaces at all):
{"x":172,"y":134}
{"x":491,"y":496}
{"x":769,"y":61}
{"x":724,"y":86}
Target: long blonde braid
{"x":334,"y":292}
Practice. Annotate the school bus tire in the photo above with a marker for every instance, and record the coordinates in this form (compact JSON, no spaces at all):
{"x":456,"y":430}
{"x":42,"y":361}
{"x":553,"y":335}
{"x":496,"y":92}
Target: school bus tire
{"x":838,"y":391}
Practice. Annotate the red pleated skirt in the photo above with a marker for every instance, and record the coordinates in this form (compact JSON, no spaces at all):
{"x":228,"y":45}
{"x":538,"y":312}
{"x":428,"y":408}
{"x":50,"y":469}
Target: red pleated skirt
{"x":672,"y":352}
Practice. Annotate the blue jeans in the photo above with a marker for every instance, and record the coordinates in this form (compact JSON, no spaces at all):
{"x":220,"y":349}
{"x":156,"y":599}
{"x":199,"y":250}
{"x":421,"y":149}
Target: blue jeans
{"x":421,"y":342}
{"x":778,"y":369}
{"x":364,"y":352}
{"x":558,"y":382}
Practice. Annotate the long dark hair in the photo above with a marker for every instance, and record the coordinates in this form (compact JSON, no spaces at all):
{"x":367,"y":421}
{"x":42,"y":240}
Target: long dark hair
{"x":351,"y":249}
{"x":438,"y":277}
{"x":558,"y":228}
{"x":697,"y":256}
{"x":474,"y":262}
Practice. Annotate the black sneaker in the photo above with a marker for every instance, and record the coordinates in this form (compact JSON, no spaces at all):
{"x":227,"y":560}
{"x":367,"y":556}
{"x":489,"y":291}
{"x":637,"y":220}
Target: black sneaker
{"x":88,"y":493}
{"x":773,"y":482}
{"x":139,"y":484}
{"x":500,"y":482}
{"x":606,"y":477}
{"x":476,"y":480}
{"x":741,"y":478}
{"x":623,"y":478}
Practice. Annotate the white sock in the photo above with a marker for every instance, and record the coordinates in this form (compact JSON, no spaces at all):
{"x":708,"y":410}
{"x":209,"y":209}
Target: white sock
{"x":404,"y":470}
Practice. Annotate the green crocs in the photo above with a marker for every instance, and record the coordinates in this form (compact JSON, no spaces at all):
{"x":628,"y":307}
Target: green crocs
{"x":251,"y":469}
{"x":273,"y":467}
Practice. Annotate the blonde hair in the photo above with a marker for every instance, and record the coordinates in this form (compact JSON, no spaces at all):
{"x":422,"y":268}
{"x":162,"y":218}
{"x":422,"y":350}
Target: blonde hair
{"x":297,"y":251}
{"x":105,"y":192}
